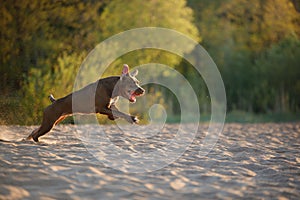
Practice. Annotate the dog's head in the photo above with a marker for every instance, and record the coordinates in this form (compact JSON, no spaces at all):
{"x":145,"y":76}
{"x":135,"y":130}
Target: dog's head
{"x":129,"y":87}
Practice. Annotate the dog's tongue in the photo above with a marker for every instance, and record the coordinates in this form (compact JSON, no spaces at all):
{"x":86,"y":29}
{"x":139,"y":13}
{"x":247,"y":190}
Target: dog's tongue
{"x":132,"y":98}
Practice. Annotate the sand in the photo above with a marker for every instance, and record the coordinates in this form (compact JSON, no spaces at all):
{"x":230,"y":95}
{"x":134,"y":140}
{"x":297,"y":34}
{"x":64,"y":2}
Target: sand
{"x":249,"y":161}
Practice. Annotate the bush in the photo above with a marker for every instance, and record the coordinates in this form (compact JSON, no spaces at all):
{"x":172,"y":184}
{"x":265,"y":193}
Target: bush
{"x":39,"y":84}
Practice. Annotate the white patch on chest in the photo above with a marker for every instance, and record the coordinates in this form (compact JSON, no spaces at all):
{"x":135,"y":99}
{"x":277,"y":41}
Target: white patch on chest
{"x":113,"y":101}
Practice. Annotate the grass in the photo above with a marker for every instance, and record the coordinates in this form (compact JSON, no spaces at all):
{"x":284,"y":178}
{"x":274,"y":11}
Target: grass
{"x":246,"y":117}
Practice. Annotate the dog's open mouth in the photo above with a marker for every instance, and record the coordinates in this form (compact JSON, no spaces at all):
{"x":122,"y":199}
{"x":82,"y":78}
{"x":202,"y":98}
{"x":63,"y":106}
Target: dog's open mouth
{"x":133,"y":96}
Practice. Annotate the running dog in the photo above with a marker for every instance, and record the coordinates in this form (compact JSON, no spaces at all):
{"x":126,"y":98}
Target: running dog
{"x":98,"y":97}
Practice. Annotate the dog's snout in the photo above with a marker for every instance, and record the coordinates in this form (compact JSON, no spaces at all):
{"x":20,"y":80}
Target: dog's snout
{"x":139,"y":91}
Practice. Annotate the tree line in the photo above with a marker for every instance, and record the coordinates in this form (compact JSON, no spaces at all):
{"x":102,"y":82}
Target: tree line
{"x":255,"y":45}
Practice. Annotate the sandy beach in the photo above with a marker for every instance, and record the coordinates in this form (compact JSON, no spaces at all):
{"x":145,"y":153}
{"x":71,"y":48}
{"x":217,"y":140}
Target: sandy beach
{"x":249,"y":161}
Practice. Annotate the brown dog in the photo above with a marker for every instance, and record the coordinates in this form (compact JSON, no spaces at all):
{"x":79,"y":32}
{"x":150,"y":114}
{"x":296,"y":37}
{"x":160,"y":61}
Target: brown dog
{"x":98,"y":97}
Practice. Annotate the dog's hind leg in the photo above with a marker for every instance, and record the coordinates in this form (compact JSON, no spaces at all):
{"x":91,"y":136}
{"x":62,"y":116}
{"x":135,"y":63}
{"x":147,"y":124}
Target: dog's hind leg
{"x":61,"y":118}
{"x":42,"y":130}
{"x":50,"y":118}
{"x":33,"y":133}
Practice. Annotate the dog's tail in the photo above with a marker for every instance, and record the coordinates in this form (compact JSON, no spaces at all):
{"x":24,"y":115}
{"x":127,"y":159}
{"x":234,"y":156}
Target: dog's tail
{"x":51,"y":98}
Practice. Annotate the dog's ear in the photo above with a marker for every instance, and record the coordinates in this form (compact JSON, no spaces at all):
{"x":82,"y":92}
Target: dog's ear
{"x":125,"y":70}
{"x":134,"y":73}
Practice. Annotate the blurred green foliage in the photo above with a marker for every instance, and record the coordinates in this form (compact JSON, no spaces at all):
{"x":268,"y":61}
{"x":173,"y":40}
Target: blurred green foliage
{"x":256,"y":47}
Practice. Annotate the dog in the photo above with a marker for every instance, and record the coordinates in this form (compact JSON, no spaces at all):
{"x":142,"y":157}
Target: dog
{"x":98,"y":97}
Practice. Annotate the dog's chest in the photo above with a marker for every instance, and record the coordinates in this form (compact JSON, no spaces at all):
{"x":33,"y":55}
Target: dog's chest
{"x":113,"y":101}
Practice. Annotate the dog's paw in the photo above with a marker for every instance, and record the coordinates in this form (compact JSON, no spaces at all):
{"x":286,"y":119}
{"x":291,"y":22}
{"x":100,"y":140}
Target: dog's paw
{"x":133,"y":120}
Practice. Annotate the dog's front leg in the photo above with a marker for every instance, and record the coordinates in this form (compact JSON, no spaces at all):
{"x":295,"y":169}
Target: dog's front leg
{"x":118,"y":114}
{"x":113,"y":108}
